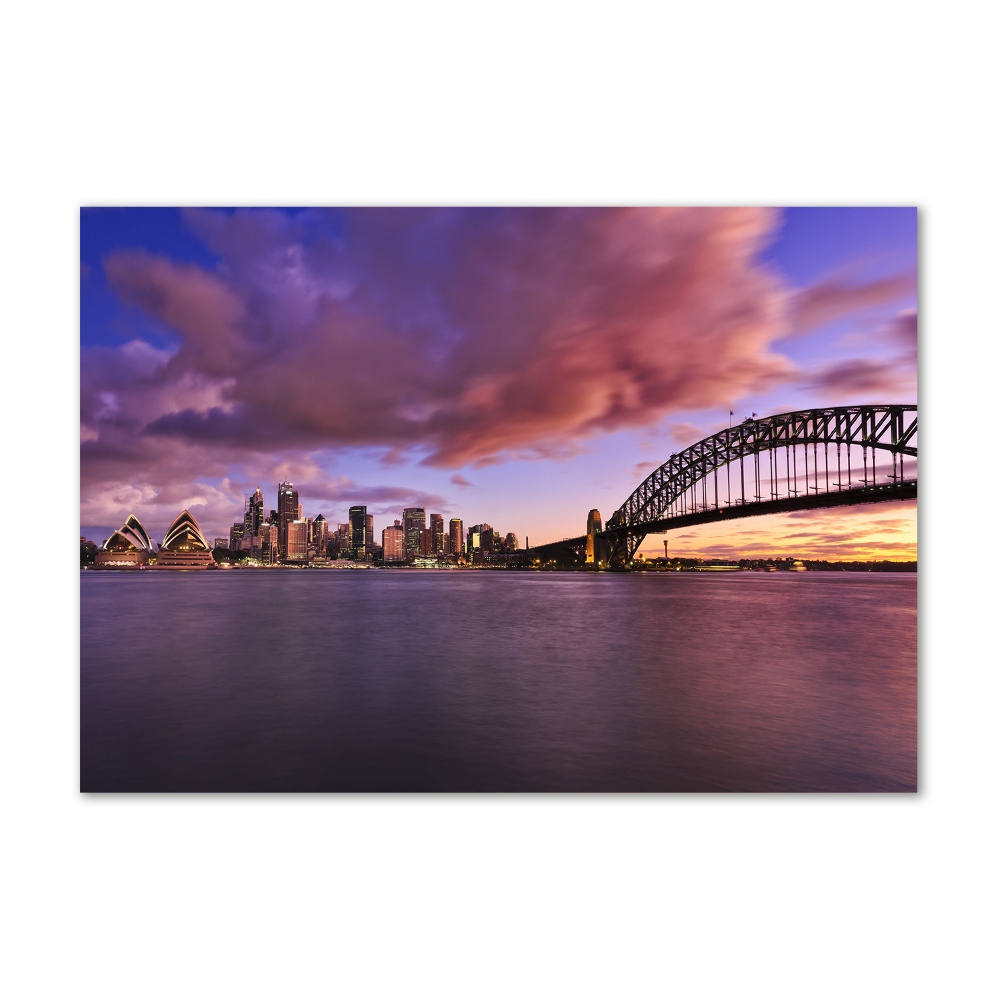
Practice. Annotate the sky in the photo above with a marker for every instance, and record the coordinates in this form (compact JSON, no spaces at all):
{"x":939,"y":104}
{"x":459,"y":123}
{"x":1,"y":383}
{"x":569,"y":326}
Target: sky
{"x":510,"y":366}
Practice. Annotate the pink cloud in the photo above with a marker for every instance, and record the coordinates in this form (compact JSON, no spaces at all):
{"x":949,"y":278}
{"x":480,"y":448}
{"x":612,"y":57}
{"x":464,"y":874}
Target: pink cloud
{"x":467,"y":336}
{"x":835,"y":297}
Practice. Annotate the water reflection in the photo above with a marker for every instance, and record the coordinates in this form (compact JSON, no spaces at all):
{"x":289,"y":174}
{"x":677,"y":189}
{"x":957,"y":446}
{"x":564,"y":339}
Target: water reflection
{"x":276,"y":680}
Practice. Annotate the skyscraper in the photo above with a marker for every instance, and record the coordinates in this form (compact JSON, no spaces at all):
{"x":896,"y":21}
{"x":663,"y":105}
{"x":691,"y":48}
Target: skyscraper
{"x":319,"y":532}
{"x":357,"y":516}
{"x":392,"y":544}
{"x":414,"y":522}
{"x":369,"y":533}
{"x":288,"y":511}
{"x":455,"y":529}
{"x":298,"y":541}
{"x":253,"y":513}
{"x":437,"y":532}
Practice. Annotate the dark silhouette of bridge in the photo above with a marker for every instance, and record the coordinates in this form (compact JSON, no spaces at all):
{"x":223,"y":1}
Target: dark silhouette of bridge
{"x":802,"y":460}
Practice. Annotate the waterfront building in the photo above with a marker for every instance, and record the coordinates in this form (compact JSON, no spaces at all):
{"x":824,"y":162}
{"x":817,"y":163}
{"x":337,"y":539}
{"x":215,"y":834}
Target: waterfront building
{"x":184,"y":546}
{"x":298,"y":542}
{"x":288,"y":511}
{"x":221,"y":543}
{"x":253,"y":512}
{"x":414,"y":522}
{"x":437,"y":533}
{"x":358,"y":517}
{"x":593,"y":528}
{"x":481,"y":537}
{"x":269,"y":549}
{"x":510,"y":542}
{"x":319,"y":533}
{"x":369,"y":532}
{"x":455,"y":529}
{"x":128,"y":547}
{"x":235,"y":535}
{"x":426,"y":542}
{"x":393,"y":548}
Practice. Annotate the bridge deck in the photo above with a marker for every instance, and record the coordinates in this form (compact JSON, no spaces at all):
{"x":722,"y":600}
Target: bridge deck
{"x":906,"y":490}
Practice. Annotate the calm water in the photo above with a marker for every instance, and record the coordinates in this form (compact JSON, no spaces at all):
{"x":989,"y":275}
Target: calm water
{"x":409,"y":680}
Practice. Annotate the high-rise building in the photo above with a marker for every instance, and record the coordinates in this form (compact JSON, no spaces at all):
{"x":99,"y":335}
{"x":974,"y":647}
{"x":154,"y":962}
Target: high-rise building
{"x":300,"y":511}
{"x":481,"y":536}
{"x":357,"y":517}
{"x":510,"y":542}
{"x":455,"y":529}
{"x":414,"y":522}
{"x":269,"y":551}
{"x":298,"y":541}
{"x":437,"y":532}
{"x":393,"y":549}
{"x":319,"y":533}
{"x":235,"y":535}
{"x":253,"y":512}
{"x":426,"y":542}
{"x":221,"y":543}
{"x":288,"y":511}
{"x":369,"y":532}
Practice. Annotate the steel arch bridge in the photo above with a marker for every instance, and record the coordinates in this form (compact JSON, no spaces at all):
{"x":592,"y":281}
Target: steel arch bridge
{"x":783,"y":463}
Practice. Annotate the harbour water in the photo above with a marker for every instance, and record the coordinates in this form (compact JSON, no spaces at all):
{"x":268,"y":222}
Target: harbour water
{"x":405,"y":680}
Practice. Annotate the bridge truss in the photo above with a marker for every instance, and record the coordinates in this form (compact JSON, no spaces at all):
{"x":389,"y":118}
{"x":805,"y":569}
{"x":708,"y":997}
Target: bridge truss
{"x":789,"y":461}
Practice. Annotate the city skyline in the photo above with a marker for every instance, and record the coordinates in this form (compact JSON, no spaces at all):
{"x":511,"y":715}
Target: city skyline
{"x":378,"y":358}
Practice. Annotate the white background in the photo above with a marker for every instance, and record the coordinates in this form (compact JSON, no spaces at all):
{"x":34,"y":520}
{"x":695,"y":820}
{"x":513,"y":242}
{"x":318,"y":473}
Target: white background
{"x":506,"y":896}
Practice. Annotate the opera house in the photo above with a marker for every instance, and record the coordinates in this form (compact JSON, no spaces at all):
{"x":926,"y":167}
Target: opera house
{"x":128,"y":548}
{"x":183,"y":546}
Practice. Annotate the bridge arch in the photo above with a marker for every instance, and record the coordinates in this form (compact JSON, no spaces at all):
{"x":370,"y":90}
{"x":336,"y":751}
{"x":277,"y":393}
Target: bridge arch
{"x":672,"y":490}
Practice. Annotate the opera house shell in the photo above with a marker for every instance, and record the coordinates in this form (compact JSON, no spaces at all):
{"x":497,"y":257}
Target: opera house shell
{"x":128,"y":548}
{"x":184,"y":546}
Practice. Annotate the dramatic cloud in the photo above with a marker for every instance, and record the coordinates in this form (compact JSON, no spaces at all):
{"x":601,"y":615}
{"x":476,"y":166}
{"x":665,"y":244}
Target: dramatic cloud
{"x":470,"y":336}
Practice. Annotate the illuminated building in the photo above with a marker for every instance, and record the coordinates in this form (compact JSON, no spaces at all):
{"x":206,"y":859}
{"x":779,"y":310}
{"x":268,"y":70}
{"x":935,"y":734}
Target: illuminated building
{"x":369,"y":532}
{"x":253,"y":513}
{"x":288,"y":511}
{"x":319,"y":531}
{"x":128,"y":547}
{"x":426,"y":542}
{"x":298,"y":542}
{"x":593,"y":527}
{"x":221,"y":543}
{"x":481,"y":537}
{"x":269,"y":549}
{"x":184,"y":546}
{"x":235,"y":535}
{"x":437,"y":532}
{"x":358,"y":516}
{"x":414,"y":522}
{"x":455,"y":528}
{"x":510,"y":542}
{"x":393,"y":549}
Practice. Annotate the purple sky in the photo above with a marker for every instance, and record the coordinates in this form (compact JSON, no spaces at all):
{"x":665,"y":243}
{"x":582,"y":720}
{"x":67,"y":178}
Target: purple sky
{"x":511,"y":366}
